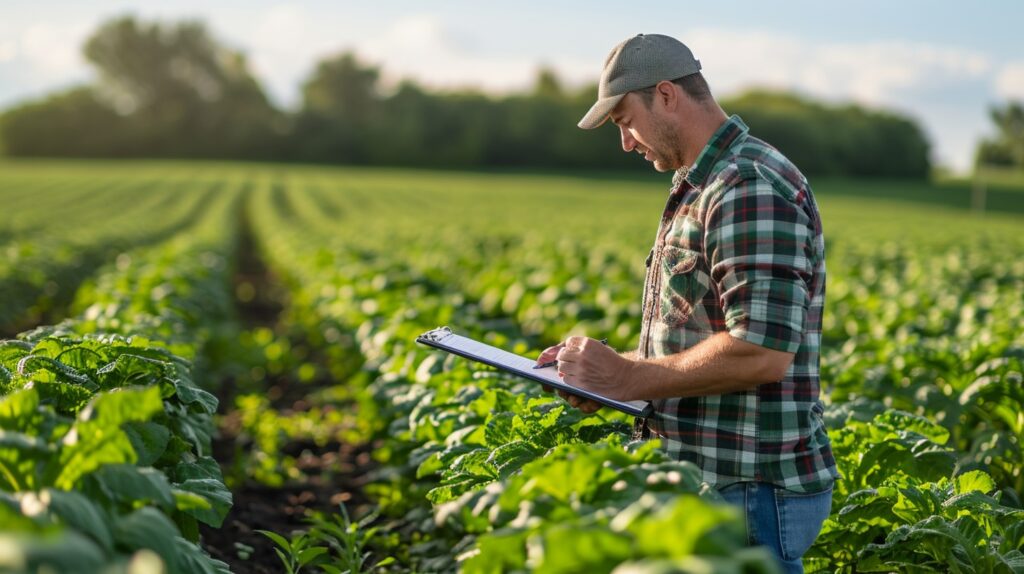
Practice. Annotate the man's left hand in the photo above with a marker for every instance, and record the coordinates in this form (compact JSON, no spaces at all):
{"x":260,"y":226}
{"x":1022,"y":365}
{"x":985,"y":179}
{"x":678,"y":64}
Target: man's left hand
{"x":591,"y":365}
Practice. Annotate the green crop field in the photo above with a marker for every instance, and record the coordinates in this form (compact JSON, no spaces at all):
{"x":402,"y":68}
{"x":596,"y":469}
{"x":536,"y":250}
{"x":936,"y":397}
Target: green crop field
{"x":212,"y":368}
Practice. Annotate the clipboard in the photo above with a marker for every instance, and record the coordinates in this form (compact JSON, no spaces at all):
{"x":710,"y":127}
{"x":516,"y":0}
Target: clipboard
{"x":443,"y":338}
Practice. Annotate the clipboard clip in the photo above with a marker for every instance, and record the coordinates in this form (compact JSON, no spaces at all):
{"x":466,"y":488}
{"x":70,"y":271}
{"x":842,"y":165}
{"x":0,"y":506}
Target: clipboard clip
{"x":437,"y":334}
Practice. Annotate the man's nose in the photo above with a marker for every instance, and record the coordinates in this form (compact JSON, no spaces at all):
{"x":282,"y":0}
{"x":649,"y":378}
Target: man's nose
{"x":628,"y":143}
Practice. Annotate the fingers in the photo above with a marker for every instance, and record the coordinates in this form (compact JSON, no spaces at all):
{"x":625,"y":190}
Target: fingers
{"x":549,"y":354}
{"x":572,"y":345}
{"x":568,"y":354}
{"x":570,"y":367}
{"x":573,"y":400}
{"x":575,"y":342}
{"x":585,"y":405}
{"x":573,"y":348}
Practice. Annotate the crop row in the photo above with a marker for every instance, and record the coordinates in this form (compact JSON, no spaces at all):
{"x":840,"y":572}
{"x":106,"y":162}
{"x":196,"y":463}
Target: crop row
{"x":479,"y":471}
{"x":466,"y":442}
{"x":64,"y":234}
{"x":468,"y":450}
{"x":106,"y":429}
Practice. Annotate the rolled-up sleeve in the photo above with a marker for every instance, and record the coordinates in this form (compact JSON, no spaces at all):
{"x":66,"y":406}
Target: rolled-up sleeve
{"x":759,"y":244}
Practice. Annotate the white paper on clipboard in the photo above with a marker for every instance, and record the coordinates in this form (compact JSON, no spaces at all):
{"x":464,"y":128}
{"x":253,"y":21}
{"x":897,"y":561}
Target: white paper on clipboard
{"x":444,"y":339}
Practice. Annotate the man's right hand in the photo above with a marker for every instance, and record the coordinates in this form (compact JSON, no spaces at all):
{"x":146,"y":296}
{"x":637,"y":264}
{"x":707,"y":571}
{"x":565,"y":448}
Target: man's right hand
{"x":546,"y":356}
{"x":585,"y":405}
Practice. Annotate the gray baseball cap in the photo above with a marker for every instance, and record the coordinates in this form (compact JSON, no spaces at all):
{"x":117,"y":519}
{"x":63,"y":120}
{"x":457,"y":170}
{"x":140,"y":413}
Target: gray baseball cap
{"x":639,"y":62}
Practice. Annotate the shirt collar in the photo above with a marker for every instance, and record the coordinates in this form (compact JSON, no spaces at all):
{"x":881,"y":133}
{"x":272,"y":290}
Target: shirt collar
{"x":721,"y":140}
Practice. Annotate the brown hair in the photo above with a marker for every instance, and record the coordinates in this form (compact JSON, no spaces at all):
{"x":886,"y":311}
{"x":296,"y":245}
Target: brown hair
{"x":694,"y":85}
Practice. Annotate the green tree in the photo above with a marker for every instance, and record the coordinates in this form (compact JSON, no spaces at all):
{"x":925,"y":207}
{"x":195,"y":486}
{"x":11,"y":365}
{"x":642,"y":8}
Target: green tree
{"x":548,"y":85}
{"x":74,"y":123}
{"x":835,"y":140}
{"x":185,"y":93}
{"x":172,"y":90}
{"x":164,"y":90}
{"x":1007,"y":147}
{"x":340,"y":105}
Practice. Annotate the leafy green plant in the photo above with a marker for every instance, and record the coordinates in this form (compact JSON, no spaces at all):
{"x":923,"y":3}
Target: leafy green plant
{"x":461,"y":438}
{"x":348,"y":542}
{"x":955,"y":524}
{"x":921,"y":363}
{"x":296,"y":552}
{"x":76,"y":479}
{"x":903,"y":505}
{"x":107,"y":431}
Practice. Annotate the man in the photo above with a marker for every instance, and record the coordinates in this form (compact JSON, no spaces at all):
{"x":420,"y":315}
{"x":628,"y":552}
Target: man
{"x":732,"y":301}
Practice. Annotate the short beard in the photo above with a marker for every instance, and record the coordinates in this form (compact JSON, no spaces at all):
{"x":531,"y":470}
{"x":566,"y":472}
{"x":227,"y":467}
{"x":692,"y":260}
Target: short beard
{"x":668,"y":148}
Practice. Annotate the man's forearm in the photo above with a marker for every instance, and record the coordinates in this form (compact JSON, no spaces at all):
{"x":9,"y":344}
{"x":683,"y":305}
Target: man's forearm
{"x":633,"y":355}
{"x":719,"y":365}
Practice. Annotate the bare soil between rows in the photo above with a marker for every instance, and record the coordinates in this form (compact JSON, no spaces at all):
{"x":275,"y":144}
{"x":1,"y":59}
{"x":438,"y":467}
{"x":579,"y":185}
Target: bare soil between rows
{"x":336,"y":474}
{"x":332,"y":474}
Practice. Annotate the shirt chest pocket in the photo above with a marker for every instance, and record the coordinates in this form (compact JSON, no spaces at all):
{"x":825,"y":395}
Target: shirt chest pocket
{"x":684,"y":281}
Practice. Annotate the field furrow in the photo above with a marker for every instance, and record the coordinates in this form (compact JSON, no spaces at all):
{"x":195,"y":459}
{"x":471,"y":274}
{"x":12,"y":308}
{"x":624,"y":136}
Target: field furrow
{"x":274,"y":310}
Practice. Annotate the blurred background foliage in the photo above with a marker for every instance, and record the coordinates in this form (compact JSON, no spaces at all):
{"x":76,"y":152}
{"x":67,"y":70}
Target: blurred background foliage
{"x":1006,"y":149}
{"x":171,"y":90}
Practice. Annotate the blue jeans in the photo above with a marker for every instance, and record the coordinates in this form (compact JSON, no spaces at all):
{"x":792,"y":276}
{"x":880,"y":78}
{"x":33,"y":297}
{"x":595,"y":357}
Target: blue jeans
{"x":786,"y":522}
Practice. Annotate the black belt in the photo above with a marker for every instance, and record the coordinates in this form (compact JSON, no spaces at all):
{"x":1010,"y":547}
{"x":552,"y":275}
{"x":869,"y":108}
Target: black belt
{"x":640,"y":429}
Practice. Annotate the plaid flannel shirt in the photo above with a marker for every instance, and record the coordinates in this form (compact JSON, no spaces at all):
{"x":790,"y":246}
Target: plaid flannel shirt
{"x":740,"y":250}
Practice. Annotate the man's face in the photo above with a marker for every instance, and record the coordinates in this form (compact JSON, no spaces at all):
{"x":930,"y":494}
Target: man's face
{"x":647,"y":131}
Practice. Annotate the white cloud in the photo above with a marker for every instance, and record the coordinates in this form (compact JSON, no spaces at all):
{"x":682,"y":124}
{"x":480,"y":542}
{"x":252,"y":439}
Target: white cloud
{"x":8,"y":51}
{"x":280,"y":28}
{"x":869,"y":72}
{"x":54,"y":51}
{"x":1010,"y":81}
{"x":943,"y":86}
{"x":732,"y":60}
{"x":284,"y":42}
{"x":420,"y":47}
{"x":37,"y":58}
{"x":281,"y":49}
{"x":875,"y":72}
{"x":946,"y":86}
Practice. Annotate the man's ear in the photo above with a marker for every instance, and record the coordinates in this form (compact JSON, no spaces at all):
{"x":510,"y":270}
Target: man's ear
{"x":666,"y":92}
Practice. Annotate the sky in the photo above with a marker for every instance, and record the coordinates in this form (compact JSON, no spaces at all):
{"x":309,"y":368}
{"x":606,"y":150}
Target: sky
{"x":941,"y":62}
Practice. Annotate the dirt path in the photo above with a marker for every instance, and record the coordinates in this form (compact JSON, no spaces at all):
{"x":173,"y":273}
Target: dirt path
{"x":332,"y":474}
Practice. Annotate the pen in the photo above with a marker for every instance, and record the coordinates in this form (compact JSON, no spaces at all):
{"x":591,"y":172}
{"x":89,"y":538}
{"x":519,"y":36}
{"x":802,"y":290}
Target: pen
{"x":555,"y":362}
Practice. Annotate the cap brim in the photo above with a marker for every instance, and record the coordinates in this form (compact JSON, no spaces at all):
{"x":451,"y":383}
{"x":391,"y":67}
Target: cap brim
{"x":598,"y":113}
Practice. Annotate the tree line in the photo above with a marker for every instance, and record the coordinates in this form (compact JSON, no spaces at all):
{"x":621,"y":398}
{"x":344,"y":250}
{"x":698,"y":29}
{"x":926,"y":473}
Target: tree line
{"x":1006,"y":148}
{"x":171,"y":90}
